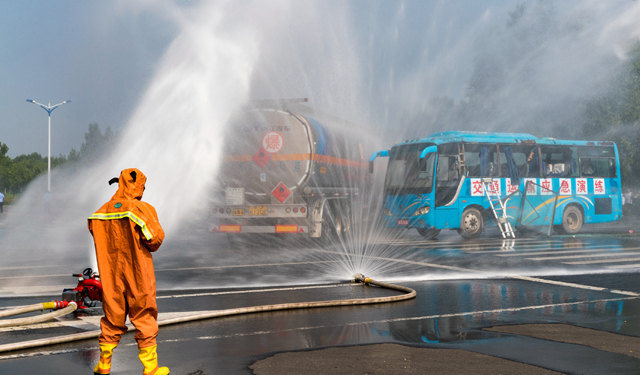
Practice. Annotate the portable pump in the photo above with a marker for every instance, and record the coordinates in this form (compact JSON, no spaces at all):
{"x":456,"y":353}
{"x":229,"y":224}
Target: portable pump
{"x":87,"y":292}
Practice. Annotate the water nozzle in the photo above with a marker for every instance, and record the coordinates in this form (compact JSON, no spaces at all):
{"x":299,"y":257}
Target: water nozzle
{"x":358,"y":278}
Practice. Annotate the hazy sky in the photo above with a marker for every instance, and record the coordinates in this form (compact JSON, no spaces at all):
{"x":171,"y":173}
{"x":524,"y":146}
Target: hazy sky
{"x":101,"y":55}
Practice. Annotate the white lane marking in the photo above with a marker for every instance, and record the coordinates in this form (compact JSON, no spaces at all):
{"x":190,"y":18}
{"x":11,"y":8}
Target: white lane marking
{"x":48,"y":352}
{"x":572,"y":285}
{"x":622,"y":266}
{"x":551,"y":250}
{"x":512,"y":309}
{"x":246,"y":265}
{"x":255,"y":291}
{"x":533,"y":279}
{"x":551,"y":253}
{"x":604,"y":261}
{"x":33,"y":291}
{"x":600,"y":255}
{"x":27,"y":267}
{"x":85,"y":323}
{"x":33,"y":276}
{"x":193,"y":268}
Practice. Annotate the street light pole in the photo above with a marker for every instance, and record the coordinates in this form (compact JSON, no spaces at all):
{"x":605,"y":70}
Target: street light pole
{"x":49,"y":109}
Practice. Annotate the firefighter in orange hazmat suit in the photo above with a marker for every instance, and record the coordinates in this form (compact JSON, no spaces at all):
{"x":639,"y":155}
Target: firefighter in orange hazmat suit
{"x":125,"y":231}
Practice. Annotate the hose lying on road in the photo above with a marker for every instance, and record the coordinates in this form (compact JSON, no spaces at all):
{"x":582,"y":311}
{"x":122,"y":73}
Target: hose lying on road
{"x":59,"y":311}
{"x":22,"y":310}
{"x":409,"y":293}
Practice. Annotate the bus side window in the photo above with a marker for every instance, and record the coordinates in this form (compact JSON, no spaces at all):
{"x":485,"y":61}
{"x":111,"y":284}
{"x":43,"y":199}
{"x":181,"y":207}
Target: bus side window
{"x":504,"y":166}
{"x":472,"y":160}
{"x":557,"y":161}
{"x":597,"y":161}
{"x":574,"y":172}
{"x":481,"y":160}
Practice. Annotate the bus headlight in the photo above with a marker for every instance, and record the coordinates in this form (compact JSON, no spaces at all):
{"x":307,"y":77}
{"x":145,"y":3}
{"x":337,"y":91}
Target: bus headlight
{"x":421,"y":211}
{"x":386,"y":212}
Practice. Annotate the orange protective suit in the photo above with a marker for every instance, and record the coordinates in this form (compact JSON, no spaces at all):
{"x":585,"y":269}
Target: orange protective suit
{"x":125,"y":231}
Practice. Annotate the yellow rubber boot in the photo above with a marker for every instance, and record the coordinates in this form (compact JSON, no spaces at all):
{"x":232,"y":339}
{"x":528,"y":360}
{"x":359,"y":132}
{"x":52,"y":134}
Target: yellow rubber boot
{"x":149,"y":359}
{"x":104,"y":365}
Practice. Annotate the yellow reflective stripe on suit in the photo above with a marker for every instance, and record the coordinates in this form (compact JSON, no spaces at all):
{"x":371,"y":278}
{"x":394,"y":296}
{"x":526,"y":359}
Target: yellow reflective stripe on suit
{"x":122,"y":215}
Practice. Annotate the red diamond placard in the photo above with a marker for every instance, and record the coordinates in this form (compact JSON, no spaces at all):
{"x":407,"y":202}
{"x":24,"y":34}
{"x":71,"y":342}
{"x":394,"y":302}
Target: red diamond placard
{"x":281,"y":192}
{"x":261,"y":157}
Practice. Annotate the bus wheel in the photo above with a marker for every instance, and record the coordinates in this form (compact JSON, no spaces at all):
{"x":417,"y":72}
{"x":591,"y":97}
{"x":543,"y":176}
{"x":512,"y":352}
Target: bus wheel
{"x":471,"y":224}
{"x":572,"y":220}
{"x":428,"y":234}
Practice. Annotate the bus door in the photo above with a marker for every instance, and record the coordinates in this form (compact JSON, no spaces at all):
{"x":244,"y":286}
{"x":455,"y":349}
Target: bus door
{"x":448,"y":183}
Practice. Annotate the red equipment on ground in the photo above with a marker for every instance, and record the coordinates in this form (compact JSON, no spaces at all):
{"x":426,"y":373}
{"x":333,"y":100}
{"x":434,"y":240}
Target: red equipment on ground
{"x":87,"y":292}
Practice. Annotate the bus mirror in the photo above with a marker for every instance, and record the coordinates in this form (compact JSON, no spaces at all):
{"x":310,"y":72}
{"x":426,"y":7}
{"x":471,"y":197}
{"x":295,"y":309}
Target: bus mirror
{"x":428,"y":150}
{"x":373,"y":157}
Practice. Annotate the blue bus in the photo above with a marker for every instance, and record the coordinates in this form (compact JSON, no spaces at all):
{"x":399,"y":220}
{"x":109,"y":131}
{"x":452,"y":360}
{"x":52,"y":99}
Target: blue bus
{"x":446,"y":181}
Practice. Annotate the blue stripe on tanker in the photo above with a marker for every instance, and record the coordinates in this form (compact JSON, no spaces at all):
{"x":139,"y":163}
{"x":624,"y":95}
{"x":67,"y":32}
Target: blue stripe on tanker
{"x":322,"y":135}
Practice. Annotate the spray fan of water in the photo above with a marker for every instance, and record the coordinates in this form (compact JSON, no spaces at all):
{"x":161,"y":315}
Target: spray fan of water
{"x":378,"y":65}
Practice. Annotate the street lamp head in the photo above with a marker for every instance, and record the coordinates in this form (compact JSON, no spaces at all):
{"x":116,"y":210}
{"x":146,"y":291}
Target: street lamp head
{"x":30,"y":101}
{"x":66,"y":101}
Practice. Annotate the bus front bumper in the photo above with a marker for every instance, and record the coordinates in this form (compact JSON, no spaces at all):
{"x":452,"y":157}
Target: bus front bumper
{"x":407,"y":222}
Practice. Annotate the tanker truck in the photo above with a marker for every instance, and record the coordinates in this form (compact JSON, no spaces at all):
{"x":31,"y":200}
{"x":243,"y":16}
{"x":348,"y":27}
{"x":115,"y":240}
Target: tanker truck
{"x":290,"y":170}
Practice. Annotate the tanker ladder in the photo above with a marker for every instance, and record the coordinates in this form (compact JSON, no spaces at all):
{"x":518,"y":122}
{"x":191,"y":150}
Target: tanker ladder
{"x":497,"y":207}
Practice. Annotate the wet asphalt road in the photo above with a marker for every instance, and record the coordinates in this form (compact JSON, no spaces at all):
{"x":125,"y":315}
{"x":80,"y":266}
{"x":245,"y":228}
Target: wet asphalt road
{"x":587,"y":286}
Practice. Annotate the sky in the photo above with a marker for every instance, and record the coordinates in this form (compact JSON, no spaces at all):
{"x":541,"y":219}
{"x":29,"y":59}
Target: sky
{"x":103,"y":55}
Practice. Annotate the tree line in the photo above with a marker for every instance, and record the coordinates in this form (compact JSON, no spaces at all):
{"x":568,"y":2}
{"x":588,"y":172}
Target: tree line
{"x":17,"y":173}
{"x":539,"y":74}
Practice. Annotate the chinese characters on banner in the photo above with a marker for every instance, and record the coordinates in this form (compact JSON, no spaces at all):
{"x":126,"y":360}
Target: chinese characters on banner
{"x":531,"y":188}
{"x":581,"y":186}
{"x":510,"y":187}
{"x":598,"y":186}
{"x":494,"y":187}
{"x":565,"y":186}
{"x":546,"y":187}
{"x":476,"y":187}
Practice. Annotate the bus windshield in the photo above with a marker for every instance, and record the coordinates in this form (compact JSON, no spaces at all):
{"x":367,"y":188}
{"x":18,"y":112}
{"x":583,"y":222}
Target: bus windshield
{"x":407,"y":172}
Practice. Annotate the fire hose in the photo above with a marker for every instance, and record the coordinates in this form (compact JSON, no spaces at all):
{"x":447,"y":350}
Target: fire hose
{"x":358,"y":278}
{"x":61,"y":308}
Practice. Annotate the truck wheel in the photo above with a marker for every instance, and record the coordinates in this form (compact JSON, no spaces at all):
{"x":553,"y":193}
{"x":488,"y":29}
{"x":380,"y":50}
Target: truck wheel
{"x":572,"y":220}
{"x":331,"y":224}
{"x":346,"y":221}
{"x":235,"y":241}
{"x":471,"y":224}
{"x":428,"y":234}
{"x":336,"y":223}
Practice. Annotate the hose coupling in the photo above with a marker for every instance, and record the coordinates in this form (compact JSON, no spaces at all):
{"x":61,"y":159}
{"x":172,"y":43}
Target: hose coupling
{"x":55,"y":305}
{"x":360,"y":278}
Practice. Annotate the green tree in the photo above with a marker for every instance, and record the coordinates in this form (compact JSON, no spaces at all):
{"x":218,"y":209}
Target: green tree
{"x":95,"y":143}
{"x":615,"y":116}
